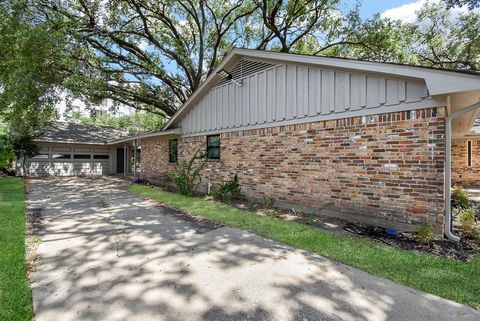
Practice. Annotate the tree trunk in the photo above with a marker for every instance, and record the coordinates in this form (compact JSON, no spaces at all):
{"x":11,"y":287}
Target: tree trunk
{"x":24,"y":166}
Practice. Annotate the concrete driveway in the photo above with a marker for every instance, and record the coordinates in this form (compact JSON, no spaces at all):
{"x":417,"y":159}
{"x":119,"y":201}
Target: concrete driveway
{"x":109,"y":255}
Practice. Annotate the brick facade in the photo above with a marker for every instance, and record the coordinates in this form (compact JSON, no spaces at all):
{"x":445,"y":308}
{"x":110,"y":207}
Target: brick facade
{"x":461,"y":173}
{"x":387,"y":167}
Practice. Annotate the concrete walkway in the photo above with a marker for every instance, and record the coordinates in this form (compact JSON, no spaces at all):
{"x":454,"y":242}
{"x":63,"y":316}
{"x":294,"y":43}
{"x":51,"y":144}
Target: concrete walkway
{"x":109,"y":255}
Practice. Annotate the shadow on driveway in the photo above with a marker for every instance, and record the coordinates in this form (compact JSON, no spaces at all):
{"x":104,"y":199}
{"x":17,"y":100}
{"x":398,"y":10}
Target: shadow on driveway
{"x":110,"y":255}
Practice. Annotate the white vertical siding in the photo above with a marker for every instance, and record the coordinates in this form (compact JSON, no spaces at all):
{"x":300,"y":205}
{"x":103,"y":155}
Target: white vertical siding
{"x":292,"y":91}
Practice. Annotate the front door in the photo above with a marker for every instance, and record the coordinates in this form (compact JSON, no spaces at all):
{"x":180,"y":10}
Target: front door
{"x":120,"y":161}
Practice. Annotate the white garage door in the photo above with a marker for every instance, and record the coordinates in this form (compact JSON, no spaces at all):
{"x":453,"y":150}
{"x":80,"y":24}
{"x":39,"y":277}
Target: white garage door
{"x":69,"y":161}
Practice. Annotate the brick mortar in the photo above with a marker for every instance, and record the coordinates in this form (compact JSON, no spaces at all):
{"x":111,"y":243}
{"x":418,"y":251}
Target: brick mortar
{"x":387,"y":166}
{"x":461,"y":173}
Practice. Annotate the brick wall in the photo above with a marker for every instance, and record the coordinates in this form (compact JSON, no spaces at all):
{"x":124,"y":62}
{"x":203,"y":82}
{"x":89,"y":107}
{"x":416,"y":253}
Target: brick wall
{"x":387,"y":167}
{"x":461,"y":173}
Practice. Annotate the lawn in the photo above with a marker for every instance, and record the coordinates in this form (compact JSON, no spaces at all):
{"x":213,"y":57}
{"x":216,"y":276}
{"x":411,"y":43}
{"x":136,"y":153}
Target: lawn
{"x":15,"y":293}
{"x":450,"y":279}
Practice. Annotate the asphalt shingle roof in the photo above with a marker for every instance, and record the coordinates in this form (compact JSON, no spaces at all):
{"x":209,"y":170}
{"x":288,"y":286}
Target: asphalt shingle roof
{"x":78,"y":133}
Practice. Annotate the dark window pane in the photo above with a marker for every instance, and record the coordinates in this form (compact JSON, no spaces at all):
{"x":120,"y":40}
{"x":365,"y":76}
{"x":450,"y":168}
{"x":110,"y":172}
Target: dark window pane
{"x":214,"y":141}
{"x":173,"y":151}
{"x":61,"y":156}
{"x":213,"y":147}
{"x":101,"y":157}
{"x":81,"y":156}
{"x":469,"y":153}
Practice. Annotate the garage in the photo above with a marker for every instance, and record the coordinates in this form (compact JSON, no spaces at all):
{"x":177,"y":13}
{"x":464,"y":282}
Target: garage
{"x":68,"y":149}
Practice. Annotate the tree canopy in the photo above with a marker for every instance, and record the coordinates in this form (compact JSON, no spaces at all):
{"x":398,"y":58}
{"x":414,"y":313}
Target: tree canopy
{"x":152,"y":55}
{"x":135,"y":123}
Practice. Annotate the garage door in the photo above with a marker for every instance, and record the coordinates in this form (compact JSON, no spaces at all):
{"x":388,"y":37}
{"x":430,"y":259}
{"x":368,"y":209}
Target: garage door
{"x":69,"y":161}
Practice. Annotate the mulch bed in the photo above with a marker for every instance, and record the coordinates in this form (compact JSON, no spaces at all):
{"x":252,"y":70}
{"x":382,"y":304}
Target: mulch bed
{"x":465,"y":250}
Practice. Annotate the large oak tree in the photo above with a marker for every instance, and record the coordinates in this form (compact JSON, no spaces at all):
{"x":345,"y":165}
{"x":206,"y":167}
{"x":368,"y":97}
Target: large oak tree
{"x":153,"y":54}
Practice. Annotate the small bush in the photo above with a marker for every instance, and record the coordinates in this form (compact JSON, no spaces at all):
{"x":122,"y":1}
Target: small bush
{"x":187,"y":174}
{"x":460,"y":196}
{"x":268,"y":202}
{"x":467,"y":220}
{"x":424,"y":234}
{"x":230,"y":189}
{"x":327,"y":205}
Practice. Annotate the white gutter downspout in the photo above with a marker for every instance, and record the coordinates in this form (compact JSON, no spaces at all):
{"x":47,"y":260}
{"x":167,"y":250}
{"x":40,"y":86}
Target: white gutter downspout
{"x":448,"y":168}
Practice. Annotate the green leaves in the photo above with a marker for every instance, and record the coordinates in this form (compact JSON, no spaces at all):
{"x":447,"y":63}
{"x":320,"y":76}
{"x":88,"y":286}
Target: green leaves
{"x":135,"y":123}
{"x":152,"y":55}
{"x":30,"y":69}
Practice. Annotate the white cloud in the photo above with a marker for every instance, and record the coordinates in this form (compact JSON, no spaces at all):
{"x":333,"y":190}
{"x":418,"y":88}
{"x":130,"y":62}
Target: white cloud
{"x":407,"y":12}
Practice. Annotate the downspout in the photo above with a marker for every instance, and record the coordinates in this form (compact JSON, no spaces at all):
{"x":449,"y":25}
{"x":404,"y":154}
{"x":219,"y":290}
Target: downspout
{"x":448,"y":167}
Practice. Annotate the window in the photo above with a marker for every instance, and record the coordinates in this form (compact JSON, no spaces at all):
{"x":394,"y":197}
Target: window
{"x":469,"y":153}
{"x":61,"y":156}
{"x":213,"y":147}
{"x":81,"y":156}
{"x":100,"y":157}
{"x":173,"y":150}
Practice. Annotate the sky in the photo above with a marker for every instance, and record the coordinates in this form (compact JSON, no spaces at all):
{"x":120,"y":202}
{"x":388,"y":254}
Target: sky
{"x":395,"y":9}
{"x":370,"y":7}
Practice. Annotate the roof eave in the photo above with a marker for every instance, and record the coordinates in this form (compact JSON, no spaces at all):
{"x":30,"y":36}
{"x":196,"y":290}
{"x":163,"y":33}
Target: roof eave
{"x":166,"y":133}
{"x":67,"y":142}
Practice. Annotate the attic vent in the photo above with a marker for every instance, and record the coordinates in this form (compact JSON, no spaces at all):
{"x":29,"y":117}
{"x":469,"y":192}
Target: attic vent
{"x":245,"y":68}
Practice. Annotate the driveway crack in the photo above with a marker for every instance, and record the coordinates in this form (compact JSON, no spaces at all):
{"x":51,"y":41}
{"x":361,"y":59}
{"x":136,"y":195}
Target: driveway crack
{"x":119,"y":229}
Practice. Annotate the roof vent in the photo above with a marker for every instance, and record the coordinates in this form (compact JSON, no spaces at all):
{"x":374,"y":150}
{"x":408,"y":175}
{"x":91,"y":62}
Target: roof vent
{"x":245,"y":68}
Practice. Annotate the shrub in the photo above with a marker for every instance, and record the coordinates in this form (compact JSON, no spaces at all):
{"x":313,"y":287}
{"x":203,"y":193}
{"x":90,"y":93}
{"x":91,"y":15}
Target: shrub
{"x":7,"y":155}
{"x":268,"y":201}
{"x":467,"y":220}
{"x":424,"y":234}
{"x":187,"y":174}
{"x":460,"y":196}
{"x":230,"y":189}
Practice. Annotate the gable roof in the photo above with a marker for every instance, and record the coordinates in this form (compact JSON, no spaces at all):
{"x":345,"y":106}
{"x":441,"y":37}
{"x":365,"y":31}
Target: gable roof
{"x":438,"y":81}
{"x":63,"y":132}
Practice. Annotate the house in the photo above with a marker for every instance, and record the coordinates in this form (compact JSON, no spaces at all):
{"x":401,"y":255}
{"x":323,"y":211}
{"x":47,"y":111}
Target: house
{"x":360,"y":140}
{"x":68,"y":149}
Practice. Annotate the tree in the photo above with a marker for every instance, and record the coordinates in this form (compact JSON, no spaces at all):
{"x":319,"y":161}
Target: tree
{"x":471,"y":4}
{"x":136,"y":123}
{"x":443,"y":39}
{"x":30,"y":69}
{"x":147,"y":54}
{"x":24,"y":147}
{"x":152,"y":55}
{"x":7,"y":155}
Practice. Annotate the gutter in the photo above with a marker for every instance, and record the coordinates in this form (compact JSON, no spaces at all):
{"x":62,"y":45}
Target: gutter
{"x":170,"y":132}
{"x":448,"y":167}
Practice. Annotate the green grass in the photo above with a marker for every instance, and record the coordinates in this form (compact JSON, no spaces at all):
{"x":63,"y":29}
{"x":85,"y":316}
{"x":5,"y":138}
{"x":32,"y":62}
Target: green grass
{"x":451,"y":279}
{"x":15,"y":293}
